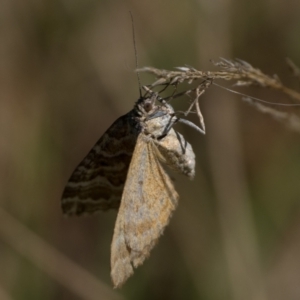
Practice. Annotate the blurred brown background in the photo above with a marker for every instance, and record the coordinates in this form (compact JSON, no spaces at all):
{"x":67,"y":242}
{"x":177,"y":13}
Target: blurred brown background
{"x":66,"y":73}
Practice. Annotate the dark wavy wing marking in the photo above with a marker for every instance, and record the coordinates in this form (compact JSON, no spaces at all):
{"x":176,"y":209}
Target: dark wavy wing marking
{"x":97,"y":183}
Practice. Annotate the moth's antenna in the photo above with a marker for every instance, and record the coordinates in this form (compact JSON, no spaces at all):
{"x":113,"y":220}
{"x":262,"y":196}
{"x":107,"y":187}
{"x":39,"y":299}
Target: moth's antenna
{"x":136,"y":56}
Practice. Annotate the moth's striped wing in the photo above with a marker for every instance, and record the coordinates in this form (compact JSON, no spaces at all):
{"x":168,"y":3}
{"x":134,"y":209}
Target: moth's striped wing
{"x":97,"y":183}
{"x":148,"y":200}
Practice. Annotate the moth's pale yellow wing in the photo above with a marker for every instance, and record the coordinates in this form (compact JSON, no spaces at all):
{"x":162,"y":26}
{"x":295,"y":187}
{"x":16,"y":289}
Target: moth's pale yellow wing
{"x":148,"y":200}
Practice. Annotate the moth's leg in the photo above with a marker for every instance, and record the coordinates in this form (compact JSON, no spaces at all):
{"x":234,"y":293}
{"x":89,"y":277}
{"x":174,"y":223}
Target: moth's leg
{"x":180,"y":140}
{"x":191,"y":124}
{"x":199,"y":91}
{"x":169,"y":126}
{"x":173,"y":93}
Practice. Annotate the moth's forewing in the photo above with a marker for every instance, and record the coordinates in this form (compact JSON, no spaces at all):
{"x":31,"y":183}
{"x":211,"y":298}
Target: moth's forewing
{"x":148,"y":200}
{"x":98,"y":181}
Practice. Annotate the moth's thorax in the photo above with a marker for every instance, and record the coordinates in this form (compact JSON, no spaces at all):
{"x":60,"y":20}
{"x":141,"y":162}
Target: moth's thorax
{"x":158,"y":124}
{"x":156,"y":121}
{"x":154,"y":118}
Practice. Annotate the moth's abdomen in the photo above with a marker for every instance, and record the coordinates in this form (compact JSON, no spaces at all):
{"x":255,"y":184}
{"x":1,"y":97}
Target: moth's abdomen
{"x":177,"y":153}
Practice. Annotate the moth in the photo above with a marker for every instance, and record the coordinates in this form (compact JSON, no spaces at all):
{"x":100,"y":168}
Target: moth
{"x":124,"y":171}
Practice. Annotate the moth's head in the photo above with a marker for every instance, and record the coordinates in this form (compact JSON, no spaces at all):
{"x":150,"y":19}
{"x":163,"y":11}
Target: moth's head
{"x":150,"y":103}
{"x":146,"y":104}
{"x":155,"y":114}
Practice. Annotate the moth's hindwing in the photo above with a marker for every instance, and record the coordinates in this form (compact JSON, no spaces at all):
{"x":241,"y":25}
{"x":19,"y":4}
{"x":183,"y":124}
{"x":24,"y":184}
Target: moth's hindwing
{"x":177,"y":153}
{"x":98,"y":181}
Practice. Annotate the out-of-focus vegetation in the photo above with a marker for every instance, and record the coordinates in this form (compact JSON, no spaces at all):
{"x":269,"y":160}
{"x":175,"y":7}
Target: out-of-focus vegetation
{"x":66,"y":73}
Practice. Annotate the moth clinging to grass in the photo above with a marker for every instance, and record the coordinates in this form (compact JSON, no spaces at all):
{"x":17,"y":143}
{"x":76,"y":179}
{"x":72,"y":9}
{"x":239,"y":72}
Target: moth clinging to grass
{"x":124,"y":171}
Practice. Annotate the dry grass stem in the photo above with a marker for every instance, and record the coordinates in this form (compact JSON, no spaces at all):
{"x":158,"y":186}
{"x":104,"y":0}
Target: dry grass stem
{"x":199,"y":114}
{"x":238,"y":70}
{"x":51,"y":261}
{"x":294,"y":69}
{"x":290,"y":120}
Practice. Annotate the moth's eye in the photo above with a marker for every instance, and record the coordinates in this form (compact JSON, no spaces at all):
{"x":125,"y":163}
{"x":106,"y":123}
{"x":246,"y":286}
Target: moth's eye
{"x":148,"y":106}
